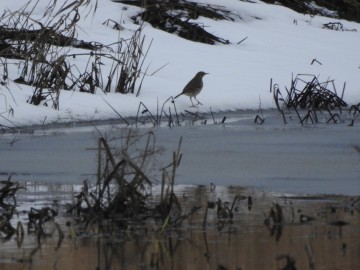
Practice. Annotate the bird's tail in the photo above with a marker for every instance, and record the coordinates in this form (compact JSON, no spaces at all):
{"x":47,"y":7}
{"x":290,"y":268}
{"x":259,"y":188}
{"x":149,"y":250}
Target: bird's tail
{"x":178,"y":95}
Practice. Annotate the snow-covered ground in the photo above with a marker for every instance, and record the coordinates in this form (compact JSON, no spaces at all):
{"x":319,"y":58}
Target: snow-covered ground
{"x":280,"y":42}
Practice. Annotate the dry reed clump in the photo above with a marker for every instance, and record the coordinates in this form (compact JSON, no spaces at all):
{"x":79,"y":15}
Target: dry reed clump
{"x":354,"y":113}
{"x":169,"y":114}
{"x":123,"y":186}
{"x":345,"y":9}
{"x":174,"y":17}
{"x":38,"y":219}
{"x":307,"y":93}
{"x":43,"y":49}
{"x":8,"y":190}
{"x":7,"y":110}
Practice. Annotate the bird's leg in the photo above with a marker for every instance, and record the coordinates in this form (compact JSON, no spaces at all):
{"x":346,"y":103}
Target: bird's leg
{"x":198,"y":101}
{"x":192,"y":102}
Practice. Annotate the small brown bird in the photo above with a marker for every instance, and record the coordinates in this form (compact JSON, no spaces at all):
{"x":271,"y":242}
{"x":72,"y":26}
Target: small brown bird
{"x":193,"y":88}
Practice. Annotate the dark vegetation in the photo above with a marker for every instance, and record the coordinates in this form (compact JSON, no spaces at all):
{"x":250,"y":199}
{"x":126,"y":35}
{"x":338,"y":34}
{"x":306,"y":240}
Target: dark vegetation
{"x":178,"y":16}
{"x":175,"y":17}
{"x":172,"y":117}
{"x":38,"y":218}
{"x":123,"y":185}
{"x":8,"y":205}
{"x":309,"y":99}
{"x":44,"y":51}
{"x":342,"y":9}
{"x":120,"y":196}
{"x":168,"y":114}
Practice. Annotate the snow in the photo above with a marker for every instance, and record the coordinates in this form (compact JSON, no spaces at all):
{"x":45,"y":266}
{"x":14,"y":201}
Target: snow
{"x":280,"y":42}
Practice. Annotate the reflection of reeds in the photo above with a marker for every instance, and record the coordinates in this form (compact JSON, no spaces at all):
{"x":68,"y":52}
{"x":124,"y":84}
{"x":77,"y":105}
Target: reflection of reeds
{"x":8,"y":205}
{"x":109,"y":242}
{"x":275,"y":221}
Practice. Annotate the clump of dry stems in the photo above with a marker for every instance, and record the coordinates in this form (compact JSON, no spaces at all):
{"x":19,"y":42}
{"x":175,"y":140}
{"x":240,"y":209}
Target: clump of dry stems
{"x":307,"y":93}
{"x":37,"y":218}
{"x":123,"y":184}
{"x":8,"y":190}
{"x":177,"y":17}
{"x":43,"y":48}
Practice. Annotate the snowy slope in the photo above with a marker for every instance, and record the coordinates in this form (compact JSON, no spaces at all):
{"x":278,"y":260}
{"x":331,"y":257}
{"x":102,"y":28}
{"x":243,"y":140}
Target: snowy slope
{"x":280,"y":42}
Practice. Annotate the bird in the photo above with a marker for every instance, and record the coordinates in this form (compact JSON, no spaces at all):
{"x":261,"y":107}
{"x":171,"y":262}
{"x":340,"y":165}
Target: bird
{"x":193,"y":87}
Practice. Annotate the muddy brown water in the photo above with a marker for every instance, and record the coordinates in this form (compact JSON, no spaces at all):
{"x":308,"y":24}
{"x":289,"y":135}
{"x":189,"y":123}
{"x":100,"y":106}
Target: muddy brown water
{"x":317,"y":232}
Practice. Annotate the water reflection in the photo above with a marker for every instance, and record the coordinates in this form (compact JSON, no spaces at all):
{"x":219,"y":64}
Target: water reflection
{"x":275,"y":232}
